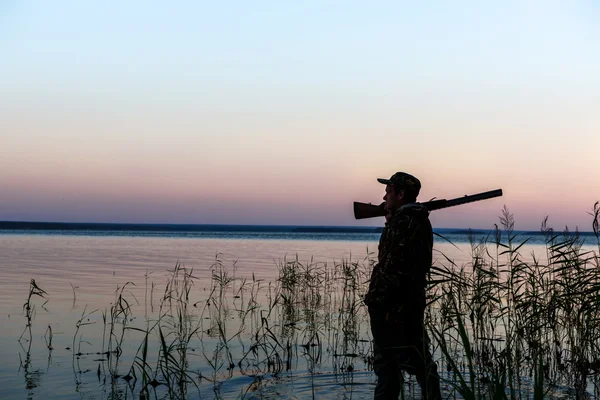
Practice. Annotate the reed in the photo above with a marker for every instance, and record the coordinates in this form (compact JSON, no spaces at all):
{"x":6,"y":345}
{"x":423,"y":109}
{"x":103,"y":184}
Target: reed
{"x":530,"y":327}
{"x":29,"y":306}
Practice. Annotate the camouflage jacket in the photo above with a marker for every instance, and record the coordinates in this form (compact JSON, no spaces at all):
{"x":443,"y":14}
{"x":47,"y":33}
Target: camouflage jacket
{"x":404,"y":260}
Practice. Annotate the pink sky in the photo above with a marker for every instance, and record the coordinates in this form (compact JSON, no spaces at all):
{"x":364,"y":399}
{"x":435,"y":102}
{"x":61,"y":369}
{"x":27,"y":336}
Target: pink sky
{"x":248,"y":118}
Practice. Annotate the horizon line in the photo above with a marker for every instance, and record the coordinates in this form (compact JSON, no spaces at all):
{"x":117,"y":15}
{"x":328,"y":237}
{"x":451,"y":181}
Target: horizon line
{"x":55,"y":225}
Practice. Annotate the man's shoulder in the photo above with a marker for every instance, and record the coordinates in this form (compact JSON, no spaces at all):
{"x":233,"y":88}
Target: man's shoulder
{"x":409,"y":224}
{"x":414,"y":213}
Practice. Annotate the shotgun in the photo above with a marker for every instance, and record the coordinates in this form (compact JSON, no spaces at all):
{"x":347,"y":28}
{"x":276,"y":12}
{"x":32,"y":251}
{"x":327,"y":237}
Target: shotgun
{"x":364,"y":210}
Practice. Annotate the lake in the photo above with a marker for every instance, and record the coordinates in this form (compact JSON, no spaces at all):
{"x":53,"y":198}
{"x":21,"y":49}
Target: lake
{"x":100,"y":279}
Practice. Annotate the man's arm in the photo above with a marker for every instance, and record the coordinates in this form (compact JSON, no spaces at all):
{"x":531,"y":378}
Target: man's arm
{"x":408,"y":260}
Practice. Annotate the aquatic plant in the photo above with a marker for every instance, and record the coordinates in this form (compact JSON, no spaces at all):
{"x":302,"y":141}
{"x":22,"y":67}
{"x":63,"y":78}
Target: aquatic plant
{"x":520,"y":327}
{"x":29,"y":306}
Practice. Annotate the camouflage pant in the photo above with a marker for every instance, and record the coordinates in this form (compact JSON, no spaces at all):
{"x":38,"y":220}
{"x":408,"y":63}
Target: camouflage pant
{"x":401,"y":343}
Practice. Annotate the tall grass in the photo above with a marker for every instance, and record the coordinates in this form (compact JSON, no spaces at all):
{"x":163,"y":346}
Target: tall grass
{"x":510,"y":328}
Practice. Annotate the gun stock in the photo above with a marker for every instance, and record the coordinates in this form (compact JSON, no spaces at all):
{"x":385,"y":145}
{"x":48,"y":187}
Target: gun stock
{"x":368,"y":210}
{"x":364,"y":210}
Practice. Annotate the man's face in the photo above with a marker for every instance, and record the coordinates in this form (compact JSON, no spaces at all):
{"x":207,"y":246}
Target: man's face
{"x":393,"y":199}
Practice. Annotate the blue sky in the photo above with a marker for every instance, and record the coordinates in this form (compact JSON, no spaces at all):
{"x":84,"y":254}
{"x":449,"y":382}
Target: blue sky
{"x":286,"y":112}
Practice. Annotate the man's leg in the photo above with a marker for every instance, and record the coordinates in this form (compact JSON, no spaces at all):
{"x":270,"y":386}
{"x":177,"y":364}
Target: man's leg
{"x":389,"y":376}
{"x":420,"y":363}
{"x":385,"y":360}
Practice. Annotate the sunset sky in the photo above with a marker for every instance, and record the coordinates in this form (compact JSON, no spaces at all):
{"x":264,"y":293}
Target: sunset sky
{"x":284,"y":112}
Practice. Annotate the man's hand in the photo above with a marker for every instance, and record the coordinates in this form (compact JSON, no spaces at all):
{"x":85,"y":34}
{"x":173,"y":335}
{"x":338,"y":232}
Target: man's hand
{"x":388,"y":213}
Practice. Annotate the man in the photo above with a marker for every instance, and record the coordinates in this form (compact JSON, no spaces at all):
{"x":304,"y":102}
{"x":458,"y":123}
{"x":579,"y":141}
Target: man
{"x":396,"y":296}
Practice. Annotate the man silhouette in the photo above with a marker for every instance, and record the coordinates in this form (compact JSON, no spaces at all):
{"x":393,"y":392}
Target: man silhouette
{"x":396,"y":295}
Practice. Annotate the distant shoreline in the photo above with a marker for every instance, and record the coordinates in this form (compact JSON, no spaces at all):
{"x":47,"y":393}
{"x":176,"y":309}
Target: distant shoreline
{"x":97,"y":226}
{"x":131,"y":227}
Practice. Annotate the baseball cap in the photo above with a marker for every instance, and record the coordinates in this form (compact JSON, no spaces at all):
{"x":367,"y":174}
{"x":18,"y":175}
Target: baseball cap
{"x":404,"y":181}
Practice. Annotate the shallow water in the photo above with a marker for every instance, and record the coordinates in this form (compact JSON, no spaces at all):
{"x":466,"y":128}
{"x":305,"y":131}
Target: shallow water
{"x":81,"y":274}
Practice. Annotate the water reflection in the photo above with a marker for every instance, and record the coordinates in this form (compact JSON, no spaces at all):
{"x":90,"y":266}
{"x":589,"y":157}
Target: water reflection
{"x":299,"y":330}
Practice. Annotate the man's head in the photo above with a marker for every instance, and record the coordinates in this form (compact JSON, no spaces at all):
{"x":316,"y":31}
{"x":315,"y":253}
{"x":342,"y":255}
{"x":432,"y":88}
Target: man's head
{"x":401,"y":188}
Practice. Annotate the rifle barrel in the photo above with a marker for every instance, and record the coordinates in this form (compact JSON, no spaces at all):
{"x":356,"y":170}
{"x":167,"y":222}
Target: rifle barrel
{"x":439,"y":204}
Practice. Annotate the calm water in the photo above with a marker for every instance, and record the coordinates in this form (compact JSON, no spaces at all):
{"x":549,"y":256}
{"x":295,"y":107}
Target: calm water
{"x":80,"y":271}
